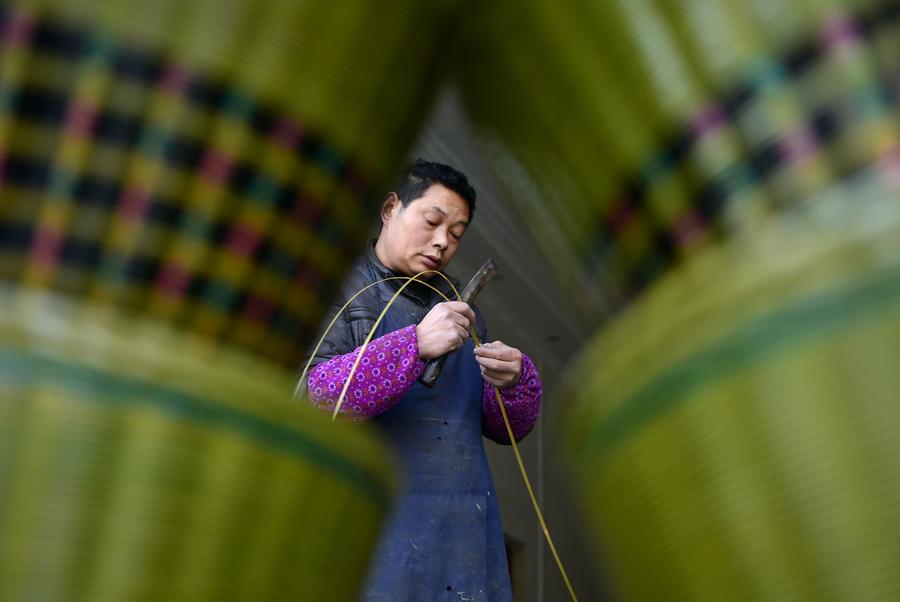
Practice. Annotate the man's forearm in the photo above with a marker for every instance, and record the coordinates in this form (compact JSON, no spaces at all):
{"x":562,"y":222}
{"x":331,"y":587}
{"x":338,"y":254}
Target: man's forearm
{"x":388,"y":368}
{"x":522,"y":402}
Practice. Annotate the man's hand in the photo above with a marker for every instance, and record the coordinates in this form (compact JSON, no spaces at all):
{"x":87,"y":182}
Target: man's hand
{"x":501,"y":365}
{"x":444,"y":329}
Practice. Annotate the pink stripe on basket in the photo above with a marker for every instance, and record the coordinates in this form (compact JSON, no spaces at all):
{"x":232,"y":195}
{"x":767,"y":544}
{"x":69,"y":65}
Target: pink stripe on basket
{"x":621,"y":215}
{"x":689,"y":228}
{"x":287,"y":133}
{"x":259,"y":309}
{"x":306,"y":210}
{"x":216,"y":166}
{"x":799,"y":145}
{"x":839,"y":30}
{"x":172,"y":280}
{"x":889,"y":164}
{"x":174,"y":79}
{"x":309,"y":277}
{"x":134,"y":203}
{"x":18,"y":28}
{"x":47,"y":246}
{"x":243,"y":239}
{"x":80,"y":119}
{"x":707,"y":120}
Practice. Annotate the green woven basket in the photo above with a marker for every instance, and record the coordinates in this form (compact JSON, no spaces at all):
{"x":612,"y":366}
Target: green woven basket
{"x":215,"y":165}
{"x":139,"y":464}
{"x":735,"y":433}
{"x":632,"y":133}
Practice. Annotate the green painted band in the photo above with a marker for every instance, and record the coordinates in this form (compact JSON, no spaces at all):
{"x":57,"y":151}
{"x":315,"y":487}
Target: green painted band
{"x":20,"y":367}
{"x":805,"y":320}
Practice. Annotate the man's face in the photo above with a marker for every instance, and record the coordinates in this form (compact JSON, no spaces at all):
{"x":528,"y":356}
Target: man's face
{"x":425,"y":234}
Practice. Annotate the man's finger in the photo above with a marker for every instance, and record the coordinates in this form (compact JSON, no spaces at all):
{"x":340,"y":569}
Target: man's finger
{"x":470,"y":313}
{"x":494,"y":373}
{"x":495,"y":364}
{"x":494,"y":378}
{"x":500,"y":353}
{"x":461,"y":308}
{"x":461,"y":320}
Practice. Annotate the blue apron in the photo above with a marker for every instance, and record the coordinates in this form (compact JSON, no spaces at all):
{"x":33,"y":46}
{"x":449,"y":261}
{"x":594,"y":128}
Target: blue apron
{"x":443,"y":539}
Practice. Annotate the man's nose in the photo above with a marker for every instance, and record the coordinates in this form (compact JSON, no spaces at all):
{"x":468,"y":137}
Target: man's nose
{"x":439,"y":239}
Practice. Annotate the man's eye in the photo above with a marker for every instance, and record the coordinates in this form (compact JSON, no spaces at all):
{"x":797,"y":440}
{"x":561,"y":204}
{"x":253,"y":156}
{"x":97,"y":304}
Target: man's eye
{"x":430,"y":223}
{"x":455,"y":235}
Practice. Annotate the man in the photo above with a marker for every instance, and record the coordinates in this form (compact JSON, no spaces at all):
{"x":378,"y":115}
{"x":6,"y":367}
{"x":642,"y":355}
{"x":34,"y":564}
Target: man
{"x":444,"y":540}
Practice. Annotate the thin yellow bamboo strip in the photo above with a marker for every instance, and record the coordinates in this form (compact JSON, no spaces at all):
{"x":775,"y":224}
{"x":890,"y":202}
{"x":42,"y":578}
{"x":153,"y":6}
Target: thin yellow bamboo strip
{"x":537,"y":509}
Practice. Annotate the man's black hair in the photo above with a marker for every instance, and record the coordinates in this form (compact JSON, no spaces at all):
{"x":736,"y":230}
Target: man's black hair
{"x":420,"y":175}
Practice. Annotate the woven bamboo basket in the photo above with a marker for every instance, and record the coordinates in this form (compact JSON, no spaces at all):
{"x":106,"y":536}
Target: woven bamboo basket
{"x":734,"y":434}
{"x":141,"y":464}
{"x":635,"y":133}
{"x":182,"y":185}
{"x":213,"y":165}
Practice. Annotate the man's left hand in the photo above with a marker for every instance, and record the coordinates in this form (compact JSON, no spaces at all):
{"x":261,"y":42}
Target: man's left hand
{"x":501,"y":365}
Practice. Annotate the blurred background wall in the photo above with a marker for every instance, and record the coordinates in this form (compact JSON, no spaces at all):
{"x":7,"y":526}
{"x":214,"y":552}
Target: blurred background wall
{"x":525,"y":308}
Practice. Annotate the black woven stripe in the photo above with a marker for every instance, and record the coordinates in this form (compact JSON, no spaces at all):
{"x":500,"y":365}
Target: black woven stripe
{"x":262,"y":119}
{"x":766,"y":159}
{"x":710,"y":200}
{"x":825,"y":123}
{"x":39,"y":105}
{"x":883,"y":14}
{"x":240,"y":178}
{"x":83,"y":254}
{"x":142,"y":269}
{"x":15,"y":236}
{"x":90,"y":190}
{"x":183,"y":152}
{"x":164,"y":212}
{"x":197,"y":286}
{"x":26,"y":172}
{"x":120,"y":130}
{"x":129,"y":63}
{"x":276,"y":260}
{"x":57,"y":39}
{"x":208,"y":94}
{"x":290,"y":326}
{"x":801,"y":58}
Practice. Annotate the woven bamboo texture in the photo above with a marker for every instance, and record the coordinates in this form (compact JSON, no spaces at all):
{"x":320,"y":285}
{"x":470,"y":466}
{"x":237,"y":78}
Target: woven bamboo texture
{"x":735,"y":433}
{"x":213,"y":165}
{"x":182,"y":186}
{"x":635,"y":133}
{"x":141,"y":464}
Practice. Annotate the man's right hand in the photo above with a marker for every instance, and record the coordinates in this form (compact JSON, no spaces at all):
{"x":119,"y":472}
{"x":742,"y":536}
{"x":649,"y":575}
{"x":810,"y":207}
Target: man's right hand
{"x":444,"y":329}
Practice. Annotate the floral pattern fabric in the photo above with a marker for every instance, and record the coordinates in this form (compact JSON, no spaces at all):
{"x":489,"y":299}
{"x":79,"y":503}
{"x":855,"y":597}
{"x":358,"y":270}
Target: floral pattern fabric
{"x":391,"y":365}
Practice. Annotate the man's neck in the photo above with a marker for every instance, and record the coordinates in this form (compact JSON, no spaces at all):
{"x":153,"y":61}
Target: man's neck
{"x":381,"y":252}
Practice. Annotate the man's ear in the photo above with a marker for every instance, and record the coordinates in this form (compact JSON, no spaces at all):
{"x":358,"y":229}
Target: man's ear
{"x":390,"y":208}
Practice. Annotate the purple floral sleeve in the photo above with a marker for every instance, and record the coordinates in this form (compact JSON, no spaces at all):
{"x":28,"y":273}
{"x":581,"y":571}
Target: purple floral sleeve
{"x":388,"y":368}
{"x":522,"y":402}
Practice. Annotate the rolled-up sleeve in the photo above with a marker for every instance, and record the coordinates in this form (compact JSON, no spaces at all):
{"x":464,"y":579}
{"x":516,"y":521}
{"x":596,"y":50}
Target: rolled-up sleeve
{"x":522,"y":402}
